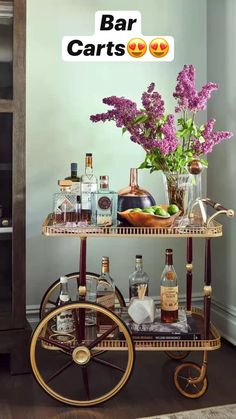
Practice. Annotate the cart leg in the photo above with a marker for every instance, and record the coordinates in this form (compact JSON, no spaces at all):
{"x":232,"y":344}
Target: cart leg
{"x":207,"y":289}
{"x":81,"y":283}
{"x":189,"y":268}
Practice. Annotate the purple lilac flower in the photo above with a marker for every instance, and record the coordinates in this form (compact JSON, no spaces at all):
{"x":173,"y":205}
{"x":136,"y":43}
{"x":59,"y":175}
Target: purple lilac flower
{"x":169,"y":143}
{"x":153,"y":103}
{"x":188,"y":98}
{"x":211,"y":138}
{"x":123,"y":112}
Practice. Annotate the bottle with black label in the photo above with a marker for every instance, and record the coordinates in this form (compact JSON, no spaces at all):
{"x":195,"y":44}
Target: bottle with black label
{"x":169,"y":291}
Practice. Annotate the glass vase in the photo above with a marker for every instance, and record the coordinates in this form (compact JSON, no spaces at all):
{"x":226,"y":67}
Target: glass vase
{"x":177,"y":188}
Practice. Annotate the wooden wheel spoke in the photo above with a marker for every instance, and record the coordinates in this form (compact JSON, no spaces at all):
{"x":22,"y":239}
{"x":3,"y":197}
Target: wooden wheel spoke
{"x":195,"y":386}
{"x":184,"y":378}
{"x":58,"y":372}
{"x":98,"y":353}
{"x":54,"y":303}
{"x":187,"y":385}
{"x":103,"y":336}
{"x":55,"y":343}
{"x":108,"y":364}
{"x":86,"y":381}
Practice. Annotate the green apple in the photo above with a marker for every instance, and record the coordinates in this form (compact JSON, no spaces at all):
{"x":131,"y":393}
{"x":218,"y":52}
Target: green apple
{"x":148,"y":210}
{"x":136,"y":210}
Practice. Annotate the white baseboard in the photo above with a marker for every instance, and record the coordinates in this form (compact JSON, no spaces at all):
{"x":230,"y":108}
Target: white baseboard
{"x":224,"y":318}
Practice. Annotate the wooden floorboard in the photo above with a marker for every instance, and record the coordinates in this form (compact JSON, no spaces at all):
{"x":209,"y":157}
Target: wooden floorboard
{"x":150,"y":390}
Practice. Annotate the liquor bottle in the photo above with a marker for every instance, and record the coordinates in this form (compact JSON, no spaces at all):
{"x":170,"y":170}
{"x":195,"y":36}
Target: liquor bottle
{"x":104,"y":204}
{"x":88,"y":185}
{"x":64,"y":320}
{"x":64,"y":203}
{"x":133,"y":196}
{"x":106,"y":287}
{"x":137,"y":278}
{"x":75,"y":179}
{"x":169,"y":291}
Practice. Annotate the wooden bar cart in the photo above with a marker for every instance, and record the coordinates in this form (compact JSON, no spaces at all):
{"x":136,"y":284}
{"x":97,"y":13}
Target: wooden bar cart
{"x":90,"y":365}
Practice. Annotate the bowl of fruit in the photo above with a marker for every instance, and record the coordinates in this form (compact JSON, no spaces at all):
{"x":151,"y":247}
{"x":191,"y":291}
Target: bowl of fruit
{"x":155,"y":216}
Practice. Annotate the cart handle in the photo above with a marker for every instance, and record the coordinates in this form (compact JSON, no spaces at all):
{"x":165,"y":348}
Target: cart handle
{"x":219,"y":210}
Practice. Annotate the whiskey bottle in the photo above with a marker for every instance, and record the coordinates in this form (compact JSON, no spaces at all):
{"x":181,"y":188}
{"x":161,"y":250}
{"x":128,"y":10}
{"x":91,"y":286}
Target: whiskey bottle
{"x":64,"y":320}
{"x":104,"y":204}
{"x":137,"y":278}
{"x":169,"y":291}
{"x":106,"y":286}
{"x":88,"y":185}
{"x":64,"y":203}
{"x":75,"y":179}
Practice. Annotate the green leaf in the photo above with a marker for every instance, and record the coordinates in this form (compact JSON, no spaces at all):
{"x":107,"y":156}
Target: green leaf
{"x":140,"y":118}
{"x":201,"y":139}
{"x":201,"y":128}
{"x":124,"y":130}
{"x":147,"y":132}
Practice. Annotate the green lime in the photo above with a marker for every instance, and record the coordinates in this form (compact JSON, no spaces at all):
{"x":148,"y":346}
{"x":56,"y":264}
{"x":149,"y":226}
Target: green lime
{"x":172,"y":209}
{"x":148,"y":210}
{"x":136,"y":210}
{"x":161,"y":212}
{"x":155,"y":207}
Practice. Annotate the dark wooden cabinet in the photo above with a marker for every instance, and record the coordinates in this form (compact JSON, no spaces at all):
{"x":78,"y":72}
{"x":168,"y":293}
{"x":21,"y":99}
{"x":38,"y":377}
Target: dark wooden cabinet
{"x":14,"y":329}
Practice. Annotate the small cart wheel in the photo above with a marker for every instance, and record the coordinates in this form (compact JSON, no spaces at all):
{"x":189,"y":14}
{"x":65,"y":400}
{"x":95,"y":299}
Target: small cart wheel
{"x":87,"y":365}
{"x":51,"y":296}
{"x":177,"y":355}
{"x":183,"y":375}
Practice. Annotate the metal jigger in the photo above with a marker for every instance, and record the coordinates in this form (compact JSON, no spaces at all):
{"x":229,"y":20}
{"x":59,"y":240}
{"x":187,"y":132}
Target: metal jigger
{"x":196,"y":214}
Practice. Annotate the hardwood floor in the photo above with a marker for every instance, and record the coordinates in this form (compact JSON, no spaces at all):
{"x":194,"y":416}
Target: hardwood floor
{"x":150,"y":391}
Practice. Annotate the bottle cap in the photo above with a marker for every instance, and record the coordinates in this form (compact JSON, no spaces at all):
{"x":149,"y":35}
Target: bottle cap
{"x":104,"y":177}
{"x":169,"y":251}
{"x":63,"y":280}
{"x":65,"y":183}
{"x":138,"y":256}
{"x":105,"y":259}
{"x":73,"y":167}
{"x":89,"y":154}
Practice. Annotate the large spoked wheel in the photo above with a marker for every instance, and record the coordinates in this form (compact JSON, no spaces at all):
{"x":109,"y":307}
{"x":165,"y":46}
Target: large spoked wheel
{"x":177,"y":355}
{"x":51,"y":296}
{"x":88,"y":365}
{"x":183,"y":376}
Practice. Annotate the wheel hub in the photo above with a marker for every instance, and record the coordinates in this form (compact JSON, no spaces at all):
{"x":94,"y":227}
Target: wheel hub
{"x":81,"y":355}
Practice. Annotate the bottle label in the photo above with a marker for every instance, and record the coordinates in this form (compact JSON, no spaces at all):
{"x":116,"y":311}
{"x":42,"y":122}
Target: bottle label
{"x":107,"y":300}
{"x":64,"y":205}
{"x":86,"y":190}
{"x":76,"y":188}
{"x":104,"y":220}
{"x":169,"y":298}
{"x":104,"y":203}
{"x":65,"y":322}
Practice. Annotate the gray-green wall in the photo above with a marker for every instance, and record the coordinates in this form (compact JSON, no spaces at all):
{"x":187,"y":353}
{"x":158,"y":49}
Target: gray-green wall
{"x":221,"y":64}
{"x":60,"y":98}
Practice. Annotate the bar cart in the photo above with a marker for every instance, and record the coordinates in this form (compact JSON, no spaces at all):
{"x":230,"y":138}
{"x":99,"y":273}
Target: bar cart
{"x":90,"y":365}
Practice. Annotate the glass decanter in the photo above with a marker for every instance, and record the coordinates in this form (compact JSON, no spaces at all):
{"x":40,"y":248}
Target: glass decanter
{"x":133,"y":196}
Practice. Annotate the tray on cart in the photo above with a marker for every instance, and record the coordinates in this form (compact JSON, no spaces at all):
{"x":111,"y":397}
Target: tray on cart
{"x":115,"y":342}
{"x":214,"y":229}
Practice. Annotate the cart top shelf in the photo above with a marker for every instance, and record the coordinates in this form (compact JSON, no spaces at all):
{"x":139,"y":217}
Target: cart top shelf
{"x":214,"y":229}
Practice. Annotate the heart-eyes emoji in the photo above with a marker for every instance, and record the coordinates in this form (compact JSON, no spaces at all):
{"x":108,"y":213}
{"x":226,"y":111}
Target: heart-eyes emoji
{"x":159,"y":47}
{"x":136,"y":47}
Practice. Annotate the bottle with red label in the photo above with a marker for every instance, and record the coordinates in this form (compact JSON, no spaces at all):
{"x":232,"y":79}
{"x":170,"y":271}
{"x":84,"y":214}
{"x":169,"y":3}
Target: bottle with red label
{"x":169,"y":291}
{"x":104,"y":204}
